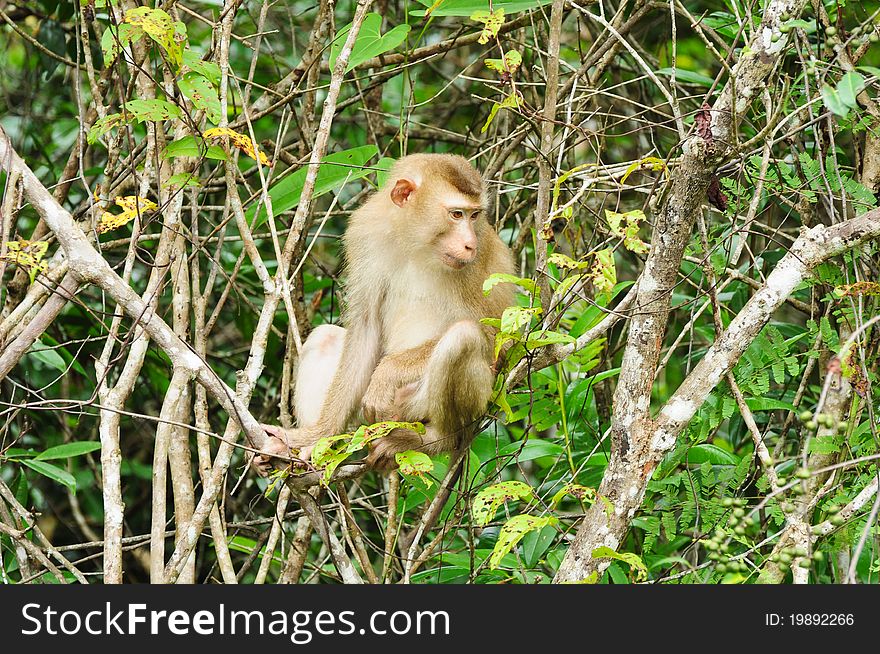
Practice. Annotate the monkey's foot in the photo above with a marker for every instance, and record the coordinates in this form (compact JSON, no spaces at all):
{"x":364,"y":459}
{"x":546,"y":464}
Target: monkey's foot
{"x":382,"y":451}
{"x":278,"y":448}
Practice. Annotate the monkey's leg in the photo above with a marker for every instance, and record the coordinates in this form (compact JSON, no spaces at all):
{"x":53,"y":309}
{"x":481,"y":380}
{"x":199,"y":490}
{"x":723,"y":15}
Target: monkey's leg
{"x":453,"y":392}
{"x":394,"y":373}
{"x":319,"y":360}
{"x":458,"y":380}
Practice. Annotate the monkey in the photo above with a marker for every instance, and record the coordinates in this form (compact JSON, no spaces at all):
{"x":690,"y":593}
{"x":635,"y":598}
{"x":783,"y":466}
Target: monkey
{"x":416,"y":254}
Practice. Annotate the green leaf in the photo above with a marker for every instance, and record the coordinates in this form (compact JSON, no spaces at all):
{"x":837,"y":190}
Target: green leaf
{"x":383,"y":167}
{"x":632,"y":560}
{"x":533,"y":448}
{"x":334,"y":171}
{"x":849,"y":86}
{"x":708,"y":453}
{"x":188,"y":180}
{"x":841,"y":99}
{"x":501,"y":278}
{"x":52,"y":472}
{"x":152,"y":110}
{"x":465,"y":8}
{"x":48,"y":356}
{"x":535,"y":543}
{"x":112,"y":40}
{"x":414,"y":463}
{"x":547,"y":337}
{"x":104,"y":125}
{"x":488,"y":500}
{"x":513,"y":531}
{"x":768,"y":404}
{"x":370,"y":41}
{"x":510,"y":102}
{"x":199,"y":90}
{"x":209,"y":69}
{"x":687,"y":76}
{"x":831,"y":100}
{"x":189,"y":146}
{"x":68,"y":450}
{"x":824,"y":445}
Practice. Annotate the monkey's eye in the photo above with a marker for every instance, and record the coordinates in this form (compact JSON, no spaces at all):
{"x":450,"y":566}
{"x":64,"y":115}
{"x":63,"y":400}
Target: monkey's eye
{"x":457,"y":214}
{"x":475,"y":215}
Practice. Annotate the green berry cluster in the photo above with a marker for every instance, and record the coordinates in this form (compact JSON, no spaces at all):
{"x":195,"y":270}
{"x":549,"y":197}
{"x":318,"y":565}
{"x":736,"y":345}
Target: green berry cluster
{"x":812,"y":423}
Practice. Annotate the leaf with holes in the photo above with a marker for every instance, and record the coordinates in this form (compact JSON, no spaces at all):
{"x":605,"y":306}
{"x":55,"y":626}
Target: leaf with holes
{"x":626,"y":225}
{"x":415,"y":464}
{"x":492,"y":21}
{"x":116,"y":38}
{"x":27,"y":255}
{"x":131,"y":206}
{"x":104,"y":125}
{"x":241,"y":141}
{"x":209,"y":69}
{"x":202,"y":94}
{"x":513,"y":319}
{"x":161,"y":28}
{"x":639,"y":570}
{"x":603,"y":273}
{"x":513,"y":531}
{"x":488,"y":500}
{"x":512,"y":60}
{"x":506,"y":278}
{"x":154,"y":111}
{"x":579,"y":492}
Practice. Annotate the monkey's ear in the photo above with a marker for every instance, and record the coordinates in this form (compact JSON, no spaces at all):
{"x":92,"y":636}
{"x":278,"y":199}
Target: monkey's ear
{"x":401,"y":191}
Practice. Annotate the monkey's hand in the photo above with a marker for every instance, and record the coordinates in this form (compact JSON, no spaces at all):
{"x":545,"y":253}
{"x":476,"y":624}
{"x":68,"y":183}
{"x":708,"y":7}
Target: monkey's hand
{"x":285,"y":443}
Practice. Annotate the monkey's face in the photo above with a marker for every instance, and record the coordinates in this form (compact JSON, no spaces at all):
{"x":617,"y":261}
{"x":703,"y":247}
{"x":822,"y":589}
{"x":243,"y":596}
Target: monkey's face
{"x":457,"y":236}
{"x":439,"y":222}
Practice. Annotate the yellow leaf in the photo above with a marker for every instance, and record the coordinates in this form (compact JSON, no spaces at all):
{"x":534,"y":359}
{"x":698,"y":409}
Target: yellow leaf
{"x":492,"y":22}
{"x":131,"y":206}
{"x":648,"y":163}
{"x":28,"y":255}
{"x":241,"y":141}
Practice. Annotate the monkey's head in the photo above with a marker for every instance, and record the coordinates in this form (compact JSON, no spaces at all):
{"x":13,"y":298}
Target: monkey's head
{"x":439,"y":206}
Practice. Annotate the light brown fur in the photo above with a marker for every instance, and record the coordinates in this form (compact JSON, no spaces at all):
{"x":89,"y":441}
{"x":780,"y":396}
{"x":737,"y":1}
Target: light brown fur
{"x":413,"y":348}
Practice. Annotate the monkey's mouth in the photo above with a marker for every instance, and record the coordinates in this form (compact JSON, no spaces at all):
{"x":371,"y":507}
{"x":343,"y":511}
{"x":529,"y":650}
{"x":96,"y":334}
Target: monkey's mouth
{"x":454,"y":262}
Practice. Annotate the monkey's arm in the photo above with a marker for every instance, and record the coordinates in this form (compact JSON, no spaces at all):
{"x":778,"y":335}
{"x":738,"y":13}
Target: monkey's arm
{"x":360,"y":352}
